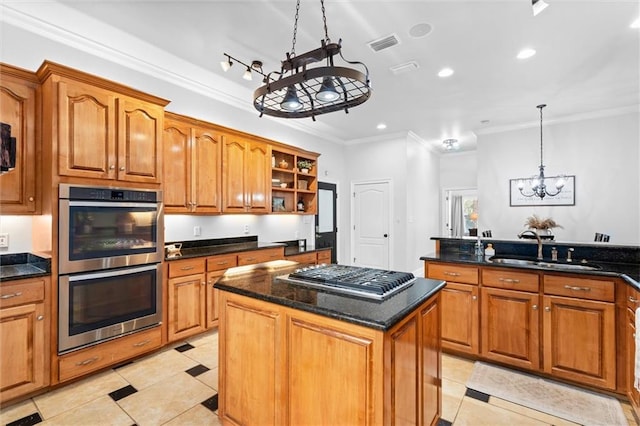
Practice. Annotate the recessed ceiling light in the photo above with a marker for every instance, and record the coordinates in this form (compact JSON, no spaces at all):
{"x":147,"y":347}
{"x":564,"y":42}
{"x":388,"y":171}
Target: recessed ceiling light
{"x":526,"y":53}
{"x":381,"y":126}
{"x":445,"y":72}
{"x":636,"y":23}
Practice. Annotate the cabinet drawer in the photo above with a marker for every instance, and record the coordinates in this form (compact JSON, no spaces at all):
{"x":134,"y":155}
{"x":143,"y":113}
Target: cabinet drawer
{"x":259,"y":256}
{"x":303,"y":258}
{"x":221,"y":262}
{"x":456,"y":273}
{"x":105,"y":354}
{"x":324,"y":256}
{"x":181,"y":268}
{"x":633,"y":298}
{"x":20,"y":293}
{"x":504,"y":278}
{"x":582,"y":288}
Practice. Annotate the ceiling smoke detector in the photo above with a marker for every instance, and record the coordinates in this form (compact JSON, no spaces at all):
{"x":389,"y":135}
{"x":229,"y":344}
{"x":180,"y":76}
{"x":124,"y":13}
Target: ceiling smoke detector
{"x":402,"y":68}
{"x":384,"y":43}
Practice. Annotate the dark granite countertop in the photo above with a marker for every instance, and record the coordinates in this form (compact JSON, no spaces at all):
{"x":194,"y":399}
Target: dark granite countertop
{"x":24,"y":265}
{"x":629,"y":272}
{"x":201,"y":248}
{"x":261,"y":283}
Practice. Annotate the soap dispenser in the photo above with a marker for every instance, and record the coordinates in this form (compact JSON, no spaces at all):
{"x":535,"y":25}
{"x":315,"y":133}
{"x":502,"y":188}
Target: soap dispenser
{"x":489,"y":251}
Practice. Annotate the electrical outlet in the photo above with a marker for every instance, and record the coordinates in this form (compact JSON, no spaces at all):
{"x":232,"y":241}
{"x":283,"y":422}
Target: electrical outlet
{"x":246,"y":229}
{"x":4,"y":240}
{"x":197,"y":231}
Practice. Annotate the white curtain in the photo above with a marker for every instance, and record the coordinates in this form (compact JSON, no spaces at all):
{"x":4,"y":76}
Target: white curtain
{"x":457,"y":216}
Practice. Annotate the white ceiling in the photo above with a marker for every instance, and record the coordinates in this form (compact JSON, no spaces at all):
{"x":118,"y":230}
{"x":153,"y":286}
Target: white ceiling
{"x":588,"y":57}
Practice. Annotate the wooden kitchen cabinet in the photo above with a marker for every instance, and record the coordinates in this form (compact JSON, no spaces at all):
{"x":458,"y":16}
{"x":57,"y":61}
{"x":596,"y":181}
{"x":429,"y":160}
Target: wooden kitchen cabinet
{"x":460,"y":306}
{"x":274,"y":367}
{"x":19,"y":108}
{"x":510,"y":316}
{"x":192,"y":174}
{"x":246,"y":175}
{"x":633,"y":298}
{"x":24,"y":337}
{"x":579,"y":333}
{"x":100,"y":129}
{"x":260,"y":256}
{"x":324,"y":256}
{"x":307,"y":258}
{"x":216,"y":267}
{"x":300,"y":186}
{"x":186,"y":298}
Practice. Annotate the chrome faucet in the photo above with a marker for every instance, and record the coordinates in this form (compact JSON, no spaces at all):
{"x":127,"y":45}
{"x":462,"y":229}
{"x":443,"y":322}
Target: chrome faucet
{"x":535,"y":234}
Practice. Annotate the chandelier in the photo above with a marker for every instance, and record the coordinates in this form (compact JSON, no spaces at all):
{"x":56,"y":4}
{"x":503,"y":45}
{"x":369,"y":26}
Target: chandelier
{"x":537,"y":184}
{"x":299,"y":90}
{"x":450,"y":144}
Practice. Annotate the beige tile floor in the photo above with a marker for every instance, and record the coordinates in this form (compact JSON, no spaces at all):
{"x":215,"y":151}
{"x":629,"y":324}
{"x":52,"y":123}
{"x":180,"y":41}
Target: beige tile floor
{"x":166,"y":394}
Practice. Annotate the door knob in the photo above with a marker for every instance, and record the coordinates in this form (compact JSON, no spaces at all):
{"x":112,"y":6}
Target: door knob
{"x":386,"y":235}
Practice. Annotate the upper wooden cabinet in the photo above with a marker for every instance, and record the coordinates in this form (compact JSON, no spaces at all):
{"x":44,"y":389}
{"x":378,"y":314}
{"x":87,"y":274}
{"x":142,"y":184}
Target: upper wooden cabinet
{"x":246,"y":175}
{"x":193,"y":166}
{"x":294,"y":189}
{"x":100,"y":129}
{"x":19,"y":108}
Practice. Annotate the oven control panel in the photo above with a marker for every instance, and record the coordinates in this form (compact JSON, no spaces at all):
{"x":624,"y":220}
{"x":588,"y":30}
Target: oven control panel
{"x":109,"y":194}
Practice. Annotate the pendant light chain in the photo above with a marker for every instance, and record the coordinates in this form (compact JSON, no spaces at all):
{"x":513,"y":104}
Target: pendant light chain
{"x":324,"y":20}
{"x":295,"y":29}
{"x":541,"y":106}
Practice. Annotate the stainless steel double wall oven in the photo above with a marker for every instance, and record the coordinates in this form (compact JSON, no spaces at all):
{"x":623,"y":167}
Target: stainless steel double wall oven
{"x":110,"y":271}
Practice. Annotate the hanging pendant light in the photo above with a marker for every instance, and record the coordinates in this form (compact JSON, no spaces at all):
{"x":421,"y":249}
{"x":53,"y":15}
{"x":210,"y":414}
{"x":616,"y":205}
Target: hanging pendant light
{"x":537,"y":184}
{"x":321,"y":89}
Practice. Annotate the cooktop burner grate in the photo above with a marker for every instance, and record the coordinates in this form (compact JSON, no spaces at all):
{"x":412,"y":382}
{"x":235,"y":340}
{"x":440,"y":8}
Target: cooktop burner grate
{"x":365,"y":282}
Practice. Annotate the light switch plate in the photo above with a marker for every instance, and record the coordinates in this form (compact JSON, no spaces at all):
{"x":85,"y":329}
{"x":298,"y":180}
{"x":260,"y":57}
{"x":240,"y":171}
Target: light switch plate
{"x":4,"y":240}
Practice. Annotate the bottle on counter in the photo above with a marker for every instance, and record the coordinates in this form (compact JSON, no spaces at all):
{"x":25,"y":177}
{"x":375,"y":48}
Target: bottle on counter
{"x":489,"y":251}
{"x":479,"y":248}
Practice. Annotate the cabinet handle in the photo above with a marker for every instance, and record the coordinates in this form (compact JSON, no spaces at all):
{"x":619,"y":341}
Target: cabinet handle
{"x":186,"y":268}
{"x":112,"y":167}
{"x":452,"y":274}
{"x":30,"y":198}
{"x":40,"y":317}
{"x":535,"y":307}
{"x":547,"y":309}
{"x":122,"y":168}
{"x":143,"y":343}
{"x":87,"y":361}
{"x":203,"y":283}
{"x":183,"y":284}
{"x":633,"y":299}
{"x":509,"y":280}
{"x":12,"y":295}
{"x":575,"y":288}
{"x":474,"y":297}
{"x":222,"y":262}
{"x":250,"y":259}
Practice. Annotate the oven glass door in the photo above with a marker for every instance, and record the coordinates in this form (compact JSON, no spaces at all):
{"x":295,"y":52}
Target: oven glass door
{"x":98,"y":235}
{"x":97,"y":306}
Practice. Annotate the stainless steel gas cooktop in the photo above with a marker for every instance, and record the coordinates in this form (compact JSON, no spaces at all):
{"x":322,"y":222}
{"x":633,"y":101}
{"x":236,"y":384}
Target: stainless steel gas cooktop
{"x":364,"y":282}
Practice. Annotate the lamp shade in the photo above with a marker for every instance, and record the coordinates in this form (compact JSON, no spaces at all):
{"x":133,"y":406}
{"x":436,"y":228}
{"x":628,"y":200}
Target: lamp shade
{"x":327,"y":92}
{"x":291,"y":101}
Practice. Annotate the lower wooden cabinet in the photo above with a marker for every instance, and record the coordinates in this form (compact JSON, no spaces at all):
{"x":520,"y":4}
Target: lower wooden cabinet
{"x":324,"y":256}
{"x":260,"y":256}
{"x":281,"y":366}
{"x":84,"y":361}
{"x":460,"y":318}
{"x":632,"y":393}
{"x":307,"y":258}
{"x":186,"y":296}
{"x":24,"y":338}
{"x":510,"y":331}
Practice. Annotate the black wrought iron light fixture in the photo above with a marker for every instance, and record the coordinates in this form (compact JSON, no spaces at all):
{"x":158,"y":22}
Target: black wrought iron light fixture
{"x":537,"y":184}
{"x":299,"y":90}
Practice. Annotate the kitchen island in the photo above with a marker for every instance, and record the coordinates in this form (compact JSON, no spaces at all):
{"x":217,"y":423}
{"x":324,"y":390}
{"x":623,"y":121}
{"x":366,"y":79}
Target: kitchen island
{"x":290,"y":354}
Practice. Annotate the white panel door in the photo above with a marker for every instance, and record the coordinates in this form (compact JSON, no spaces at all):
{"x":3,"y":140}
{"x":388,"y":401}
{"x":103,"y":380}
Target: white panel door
{"x":371,"y":225}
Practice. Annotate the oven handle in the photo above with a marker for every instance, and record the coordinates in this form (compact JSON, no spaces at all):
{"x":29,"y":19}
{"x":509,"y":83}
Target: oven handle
{"x":113,"y":272}
{"x":109,"y":204}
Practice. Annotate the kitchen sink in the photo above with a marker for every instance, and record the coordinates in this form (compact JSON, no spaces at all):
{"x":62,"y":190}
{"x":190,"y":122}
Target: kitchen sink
{"x":543,"y":264}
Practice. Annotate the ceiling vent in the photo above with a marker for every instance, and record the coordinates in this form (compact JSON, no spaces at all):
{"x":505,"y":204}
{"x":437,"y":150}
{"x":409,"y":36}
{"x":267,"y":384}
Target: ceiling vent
{"x":406,"y":67}
{"x":384,"y":43}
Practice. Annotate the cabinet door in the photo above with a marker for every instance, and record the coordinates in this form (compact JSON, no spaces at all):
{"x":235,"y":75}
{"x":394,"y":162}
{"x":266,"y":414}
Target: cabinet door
{"x":212,"y":298}
{"x":176,"y":171}
{"x":632,"y":393}
{"x":22,"y":350}
{"x":579,"y":340}
{"x":18,"y":109}
{"x":251,"y":362}
{"x":510,"y":332}
{"x":186,"y":303}
{"x":460,"y":317}
{"x":431,"y":378}
{"x":258,"y":184}
{"x":206,"y":172}
{"x":86,"y":131}
{"x":139,"y":141}
{"x":233,"y":179}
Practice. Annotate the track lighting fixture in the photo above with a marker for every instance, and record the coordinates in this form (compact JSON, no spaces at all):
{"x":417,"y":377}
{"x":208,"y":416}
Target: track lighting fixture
{"x":538,"y":6}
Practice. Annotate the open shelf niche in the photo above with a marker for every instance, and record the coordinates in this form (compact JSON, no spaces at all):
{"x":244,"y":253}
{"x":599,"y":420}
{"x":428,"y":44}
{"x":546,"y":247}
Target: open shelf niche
{"x":290,"y":185}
